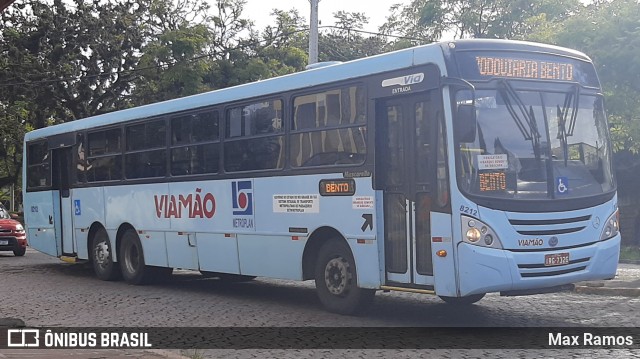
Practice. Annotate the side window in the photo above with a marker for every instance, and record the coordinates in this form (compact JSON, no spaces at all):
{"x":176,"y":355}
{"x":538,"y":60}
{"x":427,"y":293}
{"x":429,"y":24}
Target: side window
{"x":329,"y":128}
{"x":442,"y":177}
{"x":254,"y":137}
{"x":102,"y":159}
{"x":146,"y":154}
{"x":195,"y":143}
{"x":38,"y":165}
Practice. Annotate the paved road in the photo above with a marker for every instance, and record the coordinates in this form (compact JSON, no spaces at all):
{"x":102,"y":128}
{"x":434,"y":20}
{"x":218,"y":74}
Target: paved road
{"x":43,"y":291}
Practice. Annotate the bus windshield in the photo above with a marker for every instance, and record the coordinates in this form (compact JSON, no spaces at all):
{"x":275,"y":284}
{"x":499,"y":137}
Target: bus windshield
{"x":537,"y":144}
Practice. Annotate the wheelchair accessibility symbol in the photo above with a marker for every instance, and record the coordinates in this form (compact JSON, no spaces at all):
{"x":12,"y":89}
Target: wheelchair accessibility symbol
{"x":77,"y":208}
{"x":562,"y":185}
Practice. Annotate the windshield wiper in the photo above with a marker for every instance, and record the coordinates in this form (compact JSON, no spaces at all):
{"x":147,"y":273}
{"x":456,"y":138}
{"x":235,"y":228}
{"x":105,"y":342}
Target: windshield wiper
{"x":564,"y":131}
{"x":530,"y":132}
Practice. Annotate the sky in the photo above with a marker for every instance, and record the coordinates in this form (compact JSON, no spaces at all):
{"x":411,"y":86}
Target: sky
{"x":375,"y":10}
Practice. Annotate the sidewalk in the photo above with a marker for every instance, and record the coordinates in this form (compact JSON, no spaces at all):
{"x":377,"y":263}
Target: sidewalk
{"x":626,"y":283}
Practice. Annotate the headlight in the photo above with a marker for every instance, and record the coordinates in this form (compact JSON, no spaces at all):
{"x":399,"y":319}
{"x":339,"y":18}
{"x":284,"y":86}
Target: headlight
{"x":19,"y":228}
{"x":477,"y":233}
{"x":611,"y":226}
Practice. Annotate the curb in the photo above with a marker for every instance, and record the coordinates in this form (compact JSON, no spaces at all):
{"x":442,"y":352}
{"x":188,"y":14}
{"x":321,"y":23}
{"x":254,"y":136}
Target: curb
{"x":12,"y":323}
{"x":602,"y":290}
{"x":629,"y":261}
{"x":167,"y":353}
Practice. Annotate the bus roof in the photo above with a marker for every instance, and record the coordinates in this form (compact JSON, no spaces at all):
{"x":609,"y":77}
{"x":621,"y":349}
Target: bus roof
{"x":511,"y":45}
{"x":335,"y":72}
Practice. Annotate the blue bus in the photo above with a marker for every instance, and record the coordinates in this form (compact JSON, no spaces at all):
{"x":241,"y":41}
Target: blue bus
{"x":455,"y":169}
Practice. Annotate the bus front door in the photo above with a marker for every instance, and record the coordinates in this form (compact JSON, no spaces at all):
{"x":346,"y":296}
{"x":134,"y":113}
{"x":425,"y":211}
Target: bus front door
{"x":405,"y":164}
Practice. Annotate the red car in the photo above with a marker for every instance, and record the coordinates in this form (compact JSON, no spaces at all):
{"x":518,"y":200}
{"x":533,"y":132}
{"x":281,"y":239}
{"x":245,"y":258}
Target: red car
{"x":12,"y":234}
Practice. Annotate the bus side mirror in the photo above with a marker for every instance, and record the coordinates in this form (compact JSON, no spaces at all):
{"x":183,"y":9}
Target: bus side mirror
{"x":465,"y":123}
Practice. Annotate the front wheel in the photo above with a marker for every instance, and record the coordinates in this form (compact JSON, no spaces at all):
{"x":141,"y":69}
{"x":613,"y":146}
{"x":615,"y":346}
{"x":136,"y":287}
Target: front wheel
{"x":468,"y":300}
{"x":336,"y":280}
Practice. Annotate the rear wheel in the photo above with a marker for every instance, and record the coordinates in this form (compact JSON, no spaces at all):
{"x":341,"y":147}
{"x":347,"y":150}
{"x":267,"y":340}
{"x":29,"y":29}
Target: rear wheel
{"x":468,"y":300}
{"x":336,"y":280}
{"x":102,"y":257}
{"x":134,"y":270}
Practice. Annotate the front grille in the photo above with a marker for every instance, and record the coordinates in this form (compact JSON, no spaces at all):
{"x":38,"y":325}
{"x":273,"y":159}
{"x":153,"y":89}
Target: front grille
{"x":540,"y":270}
{"x":551,"y":273}
{"x":549,"y":227}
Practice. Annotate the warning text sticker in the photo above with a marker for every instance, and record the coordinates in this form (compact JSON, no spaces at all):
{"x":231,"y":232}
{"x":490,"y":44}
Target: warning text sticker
{"x":493,"y":162}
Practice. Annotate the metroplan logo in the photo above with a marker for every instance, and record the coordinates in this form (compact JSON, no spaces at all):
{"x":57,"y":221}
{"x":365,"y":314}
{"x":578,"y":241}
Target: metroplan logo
{"x":242,"y":197}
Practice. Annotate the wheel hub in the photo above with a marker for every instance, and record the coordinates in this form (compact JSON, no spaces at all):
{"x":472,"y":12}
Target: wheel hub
{"x":337,"y":275}
{"x":102,"y":253}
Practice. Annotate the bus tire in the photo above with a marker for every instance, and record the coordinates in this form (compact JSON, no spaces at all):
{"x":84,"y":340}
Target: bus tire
{"x":102,"y":257}
{"x":336,"y":280}
{"x":468,"y":300}
{"x":134,"y":270}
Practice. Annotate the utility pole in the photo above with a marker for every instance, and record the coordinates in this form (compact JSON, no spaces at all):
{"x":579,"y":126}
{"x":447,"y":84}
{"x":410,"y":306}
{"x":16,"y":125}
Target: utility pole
{"x":313,"y":32}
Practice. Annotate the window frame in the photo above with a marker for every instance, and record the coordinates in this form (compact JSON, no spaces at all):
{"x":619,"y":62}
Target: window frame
{"x":355,"y":126}
{"x":217,"y":141}
{"x":31,"y":165}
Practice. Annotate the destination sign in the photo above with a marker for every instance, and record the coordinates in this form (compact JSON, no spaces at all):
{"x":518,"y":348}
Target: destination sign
{"x":337,"y":187}
{"x":487,"y":65}
{"x":525,"y":69}
{"x":493,"y":181}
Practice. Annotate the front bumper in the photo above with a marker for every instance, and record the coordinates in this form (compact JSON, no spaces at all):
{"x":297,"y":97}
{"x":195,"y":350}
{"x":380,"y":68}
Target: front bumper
{"x":484,"y":270}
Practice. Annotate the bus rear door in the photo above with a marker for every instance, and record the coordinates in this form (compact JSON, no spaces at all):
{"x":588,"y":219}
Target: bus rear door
{"x":63,"y":213}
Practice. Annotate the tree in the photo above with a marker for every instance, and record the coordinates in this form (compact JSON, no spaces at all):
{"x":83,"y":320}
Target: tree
{"x":431,"y":20}
{"x":261,"y":56}
{"x":69,"y":63}
{"x":62,"y":62}
{"x":345,"y":41}
{"x":609,"y":32}
{"x":177,"y":53}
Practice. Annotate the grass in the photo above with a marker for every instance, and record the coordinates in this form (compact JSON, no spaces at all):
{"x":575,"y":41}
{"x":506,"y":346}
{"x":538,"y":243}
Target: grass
{"x":630,"y":253}
{"x":193,"y":354}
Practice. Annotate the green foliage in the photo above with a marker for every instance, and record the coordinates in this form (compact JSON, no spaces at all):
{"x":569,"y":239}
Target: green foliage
{"x":609,"y":32}
{"x":630,"y":254}
{"x":342,"y":43}
{"x":430,"y":20}
{"x":172,"y":65}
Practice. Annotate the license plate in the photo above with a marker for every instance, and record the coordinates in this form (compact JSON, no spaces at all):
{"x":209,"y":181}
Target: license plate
{"x":4,"y":242}
{"x":556,"y":259}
